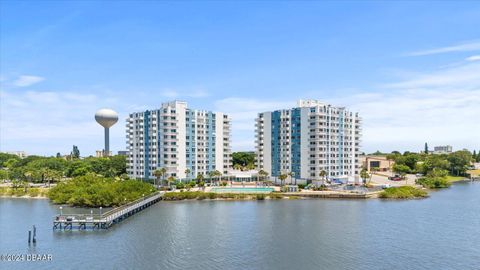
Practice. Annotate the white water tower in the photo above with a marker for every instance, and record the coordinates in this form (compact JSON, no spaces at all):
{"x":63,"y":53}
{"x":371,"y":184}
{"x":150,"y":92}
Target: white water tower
{"x":106,"y":118}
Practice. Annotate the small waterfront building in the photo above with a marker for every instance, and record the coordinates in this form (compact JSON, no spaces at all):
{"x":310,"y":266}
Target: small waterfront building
{"x":184,"y":141}
{"x":308,"y":139}
{"x":378,"y":163}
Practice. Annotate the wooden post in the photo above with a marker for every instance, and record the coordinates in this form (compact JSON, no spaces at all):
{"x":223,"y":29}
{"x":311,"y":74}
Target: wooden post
{"x":34,"y":234}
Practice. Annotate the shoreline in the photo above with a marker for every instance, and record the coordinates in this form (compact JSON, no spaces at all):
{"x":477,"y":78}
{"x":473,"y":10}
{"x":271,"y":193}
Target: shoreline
{"x":264,"y":196}
{"x":24,"y":197}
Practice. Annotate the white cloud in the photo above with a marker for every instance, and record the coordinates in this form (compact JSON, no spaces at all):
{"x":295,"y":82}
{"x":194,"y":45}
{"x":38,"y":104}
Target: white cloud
{"x":439,"y":107}
{"x":473,"y":58}
{"x":47,"y":122}
{"x":465,"y":47}
{"x":27,"y":80}
{"x":464,"y":76}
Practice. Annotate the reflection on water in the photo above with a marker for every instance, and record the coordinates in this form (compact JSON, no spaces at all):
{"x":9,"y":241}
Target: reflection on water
{"x":441,"y":232}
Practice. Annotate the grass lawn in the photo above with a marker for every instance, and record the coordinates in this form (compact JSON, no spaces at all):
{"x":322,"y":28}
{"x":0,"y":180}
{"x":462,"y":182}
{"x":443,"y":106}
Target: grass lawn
{"x":451,"y":178}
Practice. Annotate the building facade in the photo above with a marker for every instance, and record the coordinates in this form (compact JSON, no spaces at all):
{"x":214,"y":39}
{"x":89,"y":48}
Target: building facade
{"x":309,"y":139}
{"x":185,"y":142}
{"x":376,"y":163}
{"x":443,"y":149}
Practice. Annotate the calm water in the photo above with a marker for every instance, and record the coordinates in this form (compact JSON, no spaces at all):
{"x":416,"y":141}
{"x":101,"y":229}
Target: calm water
{"x":442,"y":232}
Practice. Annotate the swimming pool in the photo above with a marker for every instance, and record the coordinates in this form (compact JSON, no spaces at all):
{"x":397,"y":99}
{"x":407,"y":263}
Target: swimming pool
{"x":242,"y":190}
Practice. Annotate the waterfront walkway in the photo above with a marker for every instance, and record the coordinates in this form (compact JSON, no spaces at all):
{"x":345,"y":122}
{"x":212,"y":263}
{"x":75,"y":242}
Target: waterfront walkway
{"x":106,"y":220}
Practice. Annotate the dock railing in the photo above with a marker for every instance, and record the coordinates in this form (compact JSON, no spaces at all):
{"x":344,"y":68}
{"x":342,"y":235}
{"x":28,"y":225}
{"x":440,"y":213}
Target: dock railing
{"x":111,"y":215}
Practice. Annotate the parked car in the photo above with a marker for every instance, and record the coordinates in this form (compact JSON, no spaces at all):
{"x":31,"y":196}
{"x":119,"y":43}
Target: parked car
{"x":395,"y":178}
{"x":419,"y":174}
{"x":386,"y":186}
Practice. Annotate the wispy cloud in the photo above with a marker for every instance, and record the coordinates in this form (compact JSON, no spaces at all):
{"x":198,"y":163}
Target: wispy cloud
{"x":473,"y":58}
{"x":194,"y":93}
{"x":47,"y":122}
{"x":459,"y":76}
{"x":464,"y":47}
{"x":439,"y":107}
{"x":27,"y":80}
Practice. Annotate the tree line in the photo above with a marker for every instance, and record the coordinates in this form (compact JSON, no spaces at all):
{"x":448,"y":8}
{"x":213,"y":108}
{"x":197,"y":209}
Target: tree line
{"x":38,"y":169}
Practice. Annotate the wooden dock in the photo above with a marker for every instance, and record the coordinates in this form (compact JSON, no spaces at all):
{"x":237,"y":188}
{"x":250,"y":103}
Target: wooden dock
{"x":106,"y":220}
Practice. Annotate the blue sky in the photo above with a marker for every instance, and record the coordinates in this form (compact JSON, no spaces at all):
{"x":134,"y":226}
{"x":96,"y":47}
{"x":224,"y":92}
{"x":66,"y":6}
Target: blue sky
{"x":412,"y":70}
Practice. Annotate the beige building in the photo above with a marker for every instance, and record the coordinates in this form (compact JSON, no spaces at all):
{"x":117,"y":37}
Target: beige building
{"x":380,"y":162}
{"x":101,"y":153}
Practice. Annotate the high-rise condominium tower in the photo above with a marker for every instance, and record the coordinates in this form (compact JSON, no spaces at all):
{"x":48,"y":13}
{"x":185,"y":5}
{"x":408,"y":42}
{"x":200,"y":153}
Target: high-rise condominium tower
{"x":179,"y":139}
{"x":309,"y":139}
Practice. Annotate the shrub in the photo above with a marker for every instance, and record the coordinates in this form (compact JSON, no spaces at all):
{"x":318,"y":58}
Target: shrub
{"x":260,"y":197}
{"x":275,"y":196}
{"x":180,"y":185}
{"x":301,"y":186}
{"x":434,"y":182}
{"x":33,"y":192}
{"x":93,"y":191}
{"x":405,"y":192}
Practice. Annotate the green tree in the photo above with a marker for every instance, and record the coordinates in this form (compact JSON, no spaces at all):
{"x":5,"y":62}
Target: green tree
{"x":459,"y":162}
{"x":3,"y":174}
{"x":187,"y":172}
{"x":75,"y":152}
{"x":243,"y":159}
{"x":200,"y":179}
{"x":4,"y":157}
{"x":400,"y":169}
{"x":170,"y":180}
{"x":263,"y":174}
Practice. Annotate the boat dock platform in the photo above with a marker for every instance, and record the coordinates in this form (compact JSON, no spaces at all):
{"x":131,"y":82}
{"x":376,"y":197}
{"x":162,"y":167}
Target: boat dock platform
{"x":106,"y":220}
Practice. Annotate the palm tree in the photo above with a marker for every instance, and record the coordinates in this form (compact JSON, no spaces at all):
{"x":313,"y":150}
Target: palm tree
{"x":263,"y":174}
{"x":170,"y":180}
{"x":323,"y":173}
{"x":210,"y":176}
{"x":200,"y":179}
{"x":237,"y":167}
{"x":282,"y":177}
{"x":187,"y":172}
{"x":364,"y":176}
{"x":158,"y":173}
{"x":218,"y":174}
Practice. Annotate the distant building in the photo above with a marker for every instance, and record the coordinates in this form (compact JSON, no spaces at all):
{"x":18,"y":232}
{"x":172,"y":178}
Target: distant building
{"x":380,"y":163}
{"x":309,"y":139}
{"x":446,"y":149}
{"x":20,"y":154}
{"x":101,"y":153}
{"x":178,"y":139}
{"x":122,"y":153}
